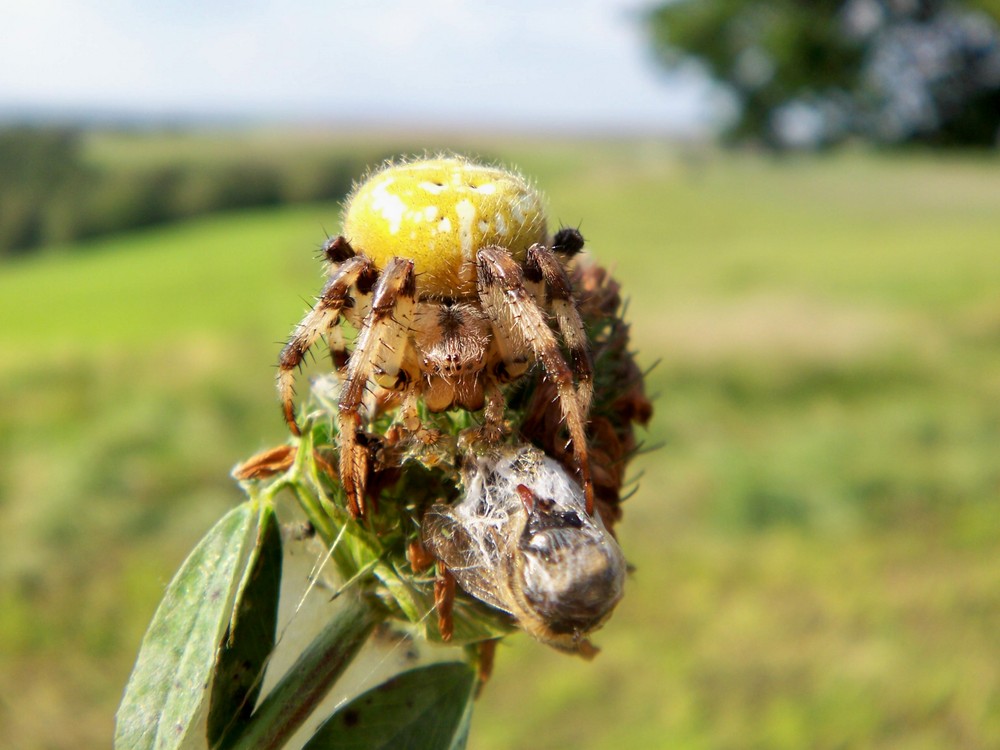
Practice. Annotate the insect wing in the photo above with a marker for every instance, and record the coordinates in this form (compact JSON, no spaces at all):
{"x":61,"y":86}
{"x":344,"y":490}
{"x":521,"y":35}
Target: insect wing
{"x":475,"y":562}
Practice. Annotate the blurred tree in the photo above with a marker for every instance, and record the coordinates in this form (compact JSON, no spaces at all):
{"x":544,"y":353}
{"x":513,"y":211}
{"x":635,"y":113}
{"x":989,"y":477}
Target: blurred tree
{"x":813,"y":73}
{"x":51,"y":193}
{"x":34,"y":163}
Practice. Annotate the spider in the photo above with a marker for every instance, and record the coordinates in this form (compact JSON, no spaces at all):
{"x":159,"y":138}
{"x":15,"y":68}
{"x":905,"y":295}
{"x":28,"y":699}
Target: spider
{"x":447,"y":272}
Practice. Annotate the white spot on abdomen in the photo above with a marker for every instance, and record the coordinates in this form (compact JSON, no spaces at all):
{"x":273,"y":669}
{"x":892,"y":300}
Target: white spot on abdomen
{"x":389,"y":205}
{"x":517,"y":212}
{"x":432,"y":187}
{"x":466,"y":216}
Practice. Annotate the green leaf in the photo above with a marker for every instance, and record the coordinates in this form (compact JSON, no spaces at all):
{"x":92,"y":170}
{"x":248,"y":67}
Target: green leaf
{"x":164,"y":701}
{"x":250,"y":638}
{"x":306,"y":683}
{"x":424,"y":709}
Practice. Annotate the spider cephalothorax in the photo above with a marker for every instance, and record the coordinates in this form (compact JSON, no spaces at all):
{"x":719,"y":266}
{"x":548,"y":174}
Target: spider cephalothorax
{"x":446,"y":270}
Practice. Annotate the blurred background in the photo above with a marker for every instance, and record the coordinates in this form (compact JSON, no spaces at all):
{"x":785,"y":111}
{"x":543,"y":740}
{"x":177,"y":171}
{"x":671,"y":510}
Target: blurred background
{"x":801,"y":200}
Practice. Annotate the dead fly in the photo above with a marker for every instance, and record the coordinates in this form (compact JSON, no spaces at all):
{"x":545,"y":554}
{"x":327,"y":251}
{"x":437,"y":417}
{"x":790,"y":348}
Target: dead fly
{"x":520,"y":539}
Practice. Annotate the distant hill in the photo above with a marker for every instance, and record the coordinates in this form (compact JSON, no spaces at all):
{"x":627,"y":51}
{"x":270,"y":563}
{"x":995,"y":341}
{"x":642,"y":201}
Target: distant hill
{"x":52,"y":191}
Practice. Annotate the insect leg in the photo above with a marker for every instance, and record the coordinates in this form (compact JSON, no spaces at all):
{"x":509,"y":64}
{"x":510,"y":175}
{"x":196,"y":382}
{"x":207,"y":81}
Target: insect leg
{"x":485,"y":656}
{"x":444,"y":600}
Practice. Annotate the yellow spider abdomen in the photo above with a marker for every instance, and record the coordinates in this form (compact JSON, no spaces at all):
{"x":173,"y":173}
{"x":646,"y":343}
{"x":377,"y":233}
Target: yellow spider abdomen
{"x":439,"y":213}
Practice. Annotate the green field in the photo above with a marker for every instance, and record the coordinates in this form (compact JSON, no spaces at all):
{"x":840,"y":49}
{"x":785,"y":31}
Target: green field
{"x":816,"y":541}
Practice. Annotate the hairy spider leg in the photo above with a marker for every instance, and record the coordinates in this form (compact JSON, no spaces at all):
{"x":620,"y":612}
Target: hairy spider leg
{"x":519,"y":323}
{"x":338,"y":347}
{"x":543,"y":267}
{"x":494,"y":426}
{"x":381,"y":347}
{"x":322,"y":319}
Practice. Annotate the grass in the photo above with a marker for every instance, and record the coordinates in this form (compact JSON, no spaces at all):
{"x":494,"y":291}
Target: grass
{"x":815,"y":542}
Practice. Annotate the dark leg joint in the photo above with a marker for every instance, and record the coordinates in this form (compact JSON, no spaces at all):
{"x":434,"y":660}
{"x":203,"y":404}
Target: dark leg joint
{"x":338,"y":249}
{"x":568,"y":241}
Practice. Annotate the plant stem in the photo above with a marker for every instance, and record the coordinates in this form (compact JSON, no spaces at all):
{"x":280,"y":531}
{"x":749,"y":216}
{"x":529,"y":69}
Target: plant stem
{"x":308,"y":681}
{"x":315,"y":513}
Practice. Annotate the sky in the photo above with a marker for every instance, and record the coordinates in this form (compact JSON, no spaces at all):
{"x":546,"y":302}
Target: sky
{"x":525,"y":64}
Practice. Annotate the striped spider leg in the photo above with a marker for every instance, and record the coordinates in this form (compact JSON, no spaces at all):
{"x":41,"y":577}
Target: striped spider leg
{"x":378,"y":355}
{"x":522,"y":333}
{"x":350,"y":284}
